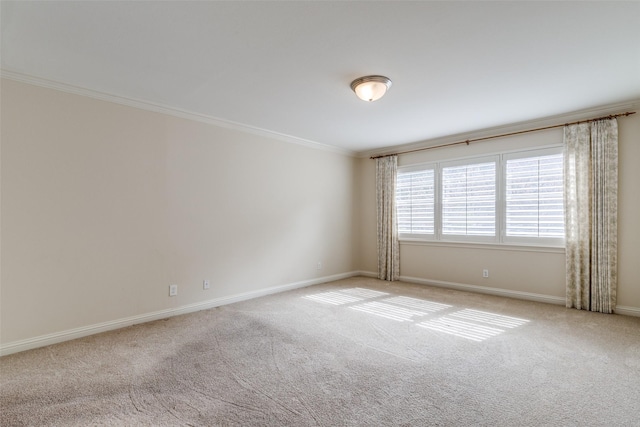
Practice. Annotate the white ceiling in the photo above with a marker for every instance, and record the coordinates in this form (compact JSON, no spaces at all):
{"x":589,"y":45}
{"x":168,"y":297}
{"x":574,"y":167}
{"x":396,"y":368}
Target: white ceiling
{"x":285,"y":67}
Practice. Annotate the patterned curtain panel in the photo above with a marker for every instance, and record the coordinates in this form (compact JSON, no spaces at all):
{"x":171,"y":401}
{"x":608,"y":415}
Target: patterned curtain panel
{"x":388,"y":247}
{"x":591,"y":214}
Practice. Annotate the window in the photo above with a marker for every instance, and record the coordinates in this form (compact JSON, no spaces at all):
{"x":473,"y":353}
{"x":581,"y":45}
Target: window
{"x":512,"y":198}
{"x":469,"y":199}
{"x":415,"y":201}
{"x":534,"y":196}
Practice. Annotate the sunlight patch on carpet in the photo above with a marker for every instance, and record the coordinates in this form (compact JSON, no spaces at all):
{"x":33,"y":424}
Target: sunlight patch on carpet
{"x":335,"y":298}
{"x":365,"y":293}
{"x":420,"y":304}
{"x":389,"y":311}
{"x":459,"y":328}
{"x":490,"y":318}
{"x":345,"y":296}
{"x":474,"y":325}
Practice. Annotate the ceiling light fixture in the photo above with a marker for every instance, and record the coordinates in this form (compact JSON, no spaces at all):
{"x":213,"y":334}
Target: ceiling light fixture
{"x":371,"y":88}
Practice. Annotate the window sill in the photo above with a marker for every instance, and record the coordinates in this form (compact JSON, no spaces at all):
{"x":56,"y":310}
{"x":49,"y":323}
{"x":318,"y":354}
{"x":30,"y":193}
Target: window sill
{"x":483,"y":246}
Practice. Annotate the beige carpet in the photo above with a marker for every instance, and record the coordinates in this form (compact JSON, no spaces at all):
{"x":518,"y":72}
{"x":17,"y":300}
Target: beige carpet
{"x":354,"y":352}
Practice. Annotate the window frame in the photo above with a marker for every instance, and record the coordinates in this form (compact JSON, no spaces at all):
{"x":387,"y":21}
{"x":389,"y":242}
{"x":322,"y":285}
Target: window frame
{"x":500,"y":238}
{"x":421,"y":167}
{"x":522,"y":240}
{"x":439,"y":211}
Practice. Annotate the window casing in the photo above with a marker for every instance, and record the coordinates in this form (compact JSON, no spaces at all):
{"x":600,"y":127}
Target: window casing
{"x":509,"y":198}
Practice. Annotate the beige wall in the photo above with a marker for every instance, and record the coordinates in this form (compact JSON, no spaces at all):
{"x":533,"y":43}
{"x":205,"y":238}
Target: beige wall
{"x":629,"y":211}
{"x":104,"y":206}
{"x":512,"y":271}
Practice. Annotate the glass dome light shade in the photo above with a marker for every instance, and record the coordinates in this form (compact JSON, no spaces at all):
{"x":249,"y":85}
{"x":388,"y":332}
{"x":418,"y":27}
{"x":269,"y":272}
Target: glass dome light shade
{"x":371,"y":88}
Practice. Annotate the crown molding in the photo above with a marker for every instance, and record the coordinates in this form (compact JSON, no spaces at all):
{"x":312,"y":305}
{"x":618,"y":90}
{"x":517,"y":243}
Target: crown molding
{"x":558,"y":119}
{"x":168,"y":110}
{"x":228,"y":124}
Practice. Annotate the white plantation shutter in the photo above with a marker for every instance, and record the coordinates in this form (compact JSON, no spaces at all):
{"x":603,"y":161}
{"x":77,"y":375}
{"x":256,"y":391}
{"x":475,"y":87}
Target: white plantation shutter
{"x":415,"y":196}
{"x":534,"y":197}
{"x":509,"y":198}
{"x":469,"y":199}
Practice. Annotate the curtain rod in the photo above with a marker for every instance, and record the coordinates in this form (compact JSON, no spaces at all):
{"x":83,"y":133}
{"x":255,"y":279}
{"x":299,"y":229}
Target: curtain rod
{"x":468,"y":141}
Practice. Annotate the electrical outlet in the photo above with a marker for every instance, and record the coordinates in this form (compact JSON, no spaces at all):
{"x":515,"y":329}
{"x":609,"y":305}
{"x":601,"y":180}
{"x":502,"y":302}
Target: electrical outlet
{"x":173,"y":290}
{"x":319,"y":267}
{"x":485,"y":273}
{"x":206,"y":284}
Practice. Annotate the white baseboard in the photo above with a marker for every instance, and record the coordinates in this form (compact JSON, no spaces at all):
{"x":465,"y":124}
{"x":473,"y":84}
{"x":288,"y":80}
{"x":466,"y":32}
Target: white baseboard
{"x":627,"y":311}
{"x":529,"y":296}
{"x":368,"y":274}
{"x":70,"y":334}
{"x":623,"y":310}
